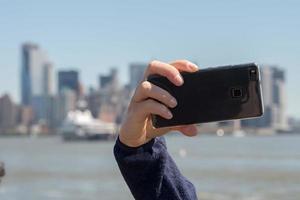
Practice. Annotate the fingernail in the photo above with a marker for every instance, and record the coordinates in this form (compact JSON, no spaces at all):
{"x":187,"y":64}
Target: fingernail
{"x":192,"y":66}
{"x":179,"y":79}
{"x":173,"y":102}
{"x":169,"y":115}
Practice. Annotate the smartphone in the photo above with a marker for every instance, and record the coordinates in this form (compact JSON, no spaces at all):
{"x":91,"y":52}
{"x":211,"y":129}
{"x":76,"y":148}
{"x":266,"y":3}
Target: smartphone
{"x":213,"y":94}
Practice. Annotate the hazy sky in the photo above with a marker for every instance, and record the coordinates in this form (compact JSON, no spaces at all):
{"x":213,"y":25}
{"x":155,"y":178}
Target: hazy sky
{"x":93,"y":35}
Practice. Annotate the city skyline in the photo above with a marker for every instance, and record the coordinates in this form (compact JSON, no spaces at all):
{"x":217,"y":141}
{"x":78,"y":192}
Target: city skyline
{"x":94,"y":36}
{"x":43,"y":111}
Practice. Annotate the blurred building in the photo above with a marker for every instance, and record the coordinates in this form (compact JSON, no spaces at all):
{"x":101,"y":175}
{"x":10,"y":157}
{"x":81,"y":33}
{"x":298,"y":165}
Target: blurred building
{"x":26,"y":119}
{"x":136,"y":72}
{"x":105,"y":103}
{"x":37,"y":84}
{"x":69,"y":92}
{"x":64,"y":102}
{"x":44,"y":110}
{"x":94,"y":100}
{"x":274,"y":97}
{"x":110,"y":100}
{"x":110,"y":80}
{"x":8,"y":114}
{"x":48,"y":77}
{"x":35,"y":73}
{"x":68,"y":80}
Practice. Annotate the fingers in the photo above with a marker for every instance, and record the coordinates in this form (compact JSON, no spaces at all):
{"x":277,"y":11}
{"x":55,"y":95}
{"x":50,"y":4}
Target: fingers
{"x":148,"y":90}
{"x":150,"y":106}
{"x":184,"y":65}
{"x":170,"y":71}
{"x":166,"y":70}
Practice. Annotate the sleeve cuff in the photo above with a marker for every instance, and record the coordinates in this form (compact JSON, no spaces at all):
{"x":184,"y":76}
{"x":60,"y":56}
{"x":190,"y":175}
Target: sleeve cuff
{"x":145,"y":147}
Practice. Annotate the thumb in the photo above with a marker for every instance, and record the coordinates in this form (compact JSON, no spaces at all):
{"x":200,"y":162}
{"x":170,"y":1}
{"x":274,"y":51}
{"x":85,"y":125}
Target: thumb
{"x":188,"y":130}
{"x":156,"y":132}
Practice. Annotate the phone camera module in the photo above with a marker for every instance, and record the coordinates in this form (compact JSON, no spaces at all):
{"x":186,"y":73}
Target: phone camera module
{"x":236,"y":92}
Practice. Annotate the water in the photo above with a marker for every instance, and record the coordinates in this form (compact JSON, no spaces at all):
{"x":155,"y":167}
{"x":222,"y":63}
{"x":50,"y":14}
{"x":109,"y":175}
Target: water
{"x":222,"y":168}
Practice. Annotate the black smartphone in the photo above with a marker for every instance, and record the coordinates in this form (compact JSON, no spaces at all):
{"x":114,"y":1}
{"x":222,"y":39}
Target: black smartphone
{"x":213,"y":94}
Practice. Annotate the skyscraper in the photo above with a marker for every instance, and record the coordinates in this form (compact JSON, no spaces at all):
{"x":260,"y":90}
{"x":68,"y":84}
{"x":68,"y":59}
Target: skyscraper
{"x":136,"y":72}
{"x":37,"y":83}
{"x":8,"y":113}
{"x":68,"y":80}
{"x":34,"y":67}
{"x":48,"y":79}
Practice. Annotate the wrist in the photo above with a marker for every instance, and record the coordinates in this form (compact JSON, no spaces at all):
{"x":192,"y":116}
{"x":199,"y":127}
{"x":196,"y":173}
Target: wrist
{"x":130,"y":142}
{"x":133,"y":142}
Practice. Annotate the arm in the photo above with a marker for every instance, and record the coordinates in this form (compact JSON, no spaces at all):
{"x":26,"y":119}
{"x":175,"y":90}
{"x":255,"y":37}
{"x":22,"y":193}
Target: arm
{"x":141,"y":153}
{"x":151,"y":173}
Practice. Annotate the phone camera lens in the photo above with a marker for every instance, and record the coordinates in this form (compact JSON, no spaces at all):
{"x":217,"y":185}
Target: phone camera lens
{"x":236,"y":92}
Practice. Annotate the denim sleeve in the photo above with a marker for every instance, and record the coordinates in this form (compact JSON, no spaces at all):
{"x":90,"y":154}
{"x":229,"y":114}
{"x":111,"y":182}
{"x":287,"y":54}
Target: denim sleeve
{"x":151,"y":173}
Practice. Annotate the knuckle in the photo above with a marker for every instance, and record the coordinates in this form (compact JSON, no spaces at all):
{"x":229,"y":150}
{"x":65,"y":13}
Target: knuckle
{"x":153,"y":63}
{"x":184,"y":61}
{"x":146,"y":86}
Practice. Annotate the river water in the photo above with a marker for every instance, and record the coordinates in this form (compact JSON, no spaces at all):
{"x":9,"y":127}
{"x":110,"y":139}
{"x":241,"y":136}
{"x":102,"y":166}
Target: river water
{"x":221,"y":168}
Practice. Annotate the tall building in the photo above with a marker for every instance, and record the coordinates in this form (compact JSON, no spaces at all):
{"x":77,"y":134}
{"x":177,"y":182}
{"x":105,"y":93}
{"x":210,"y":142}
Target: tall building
{"x":274,"y":97}
{"x":48,"y":79}
{"x":136,"y":72}
{"x":34,"y":68}
{"x":8,"y":114}
{"x":68,"y":80}
{"x":63,"y":103}
{"x":37,"y":84}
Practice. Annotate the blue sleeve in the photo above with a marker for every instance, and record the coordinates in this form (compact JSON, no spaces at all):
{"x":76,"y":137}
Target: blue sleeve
{"x":151,"y":173}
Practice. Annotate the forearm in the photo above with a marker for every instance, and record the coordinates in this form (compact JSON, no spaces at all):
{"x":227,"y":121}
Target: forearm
{"x":150,"y":172}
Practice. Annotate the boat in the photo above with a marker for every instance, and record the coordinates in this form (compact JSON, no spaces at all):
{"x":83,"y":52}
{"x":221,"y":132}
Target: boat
{"x":81,"y":125}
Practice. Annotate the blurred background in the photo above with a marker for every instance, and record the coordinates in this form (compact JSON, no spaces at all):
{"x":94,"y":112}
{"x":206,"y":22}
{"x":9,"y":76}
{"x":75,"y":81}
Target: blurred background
{"x":68,"y":70}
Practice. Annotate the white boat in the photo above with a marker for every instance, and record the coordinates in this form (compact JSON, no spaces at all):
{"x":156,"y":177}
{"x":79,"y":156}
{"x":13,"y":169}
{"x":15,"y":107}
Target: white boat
{"x":80,"y":124}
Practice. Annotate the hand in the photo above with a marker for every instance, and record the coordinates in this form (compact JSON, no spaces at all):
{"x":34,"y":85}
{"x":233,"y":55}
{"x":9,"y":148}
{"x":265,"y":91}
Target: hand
{"x":137,"y":128}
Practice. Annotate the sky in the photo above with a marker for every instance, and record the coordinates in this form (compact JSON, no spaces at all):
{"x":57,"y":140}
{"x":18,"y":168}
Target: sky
{"x":94,"y":35}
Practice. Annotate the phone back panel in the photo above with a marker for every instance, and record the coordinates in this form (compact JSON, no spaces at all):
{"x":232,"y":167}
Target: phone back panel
{"x":213,"y":94}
